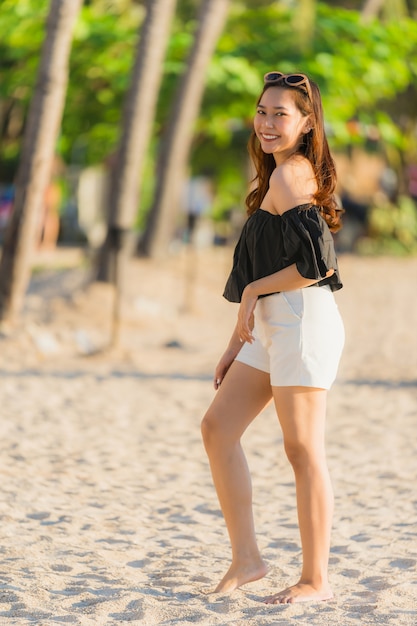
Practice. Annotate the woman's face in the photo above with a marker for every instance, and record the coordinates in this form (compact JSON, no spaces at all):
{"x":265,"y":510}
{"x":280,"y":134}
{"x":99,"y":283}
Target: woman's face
{"x":279,"y":124}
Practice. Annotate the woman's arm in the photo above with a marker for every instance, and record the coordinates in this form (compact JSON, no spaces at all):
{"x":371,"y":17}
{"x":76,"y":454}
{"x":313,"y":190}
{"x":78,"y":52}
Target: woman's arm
{"x":287,"y":279}
{"x":234,"y":346}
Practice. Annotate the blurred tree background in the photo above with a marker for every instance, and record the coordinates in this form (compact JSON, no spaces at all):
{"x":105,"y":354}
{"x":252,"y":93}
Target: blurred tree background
{"x":362,"y":53}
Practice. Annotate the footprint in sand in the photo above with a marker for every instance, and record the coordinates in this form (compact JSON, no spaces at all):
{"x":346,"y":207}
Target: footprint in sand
{"x":403,"y":563}
{"x":61,"y":568}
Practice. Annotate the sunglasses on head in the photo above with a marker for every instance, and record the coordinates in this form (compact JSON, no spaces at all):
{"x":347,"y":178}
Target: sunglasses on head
{"x":292,"y":80}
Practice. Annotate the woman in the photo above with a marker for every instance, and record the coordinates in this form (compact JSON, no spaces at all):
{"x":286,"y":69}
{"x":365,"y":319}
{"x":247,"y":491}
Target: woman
{"x":289,"y":335}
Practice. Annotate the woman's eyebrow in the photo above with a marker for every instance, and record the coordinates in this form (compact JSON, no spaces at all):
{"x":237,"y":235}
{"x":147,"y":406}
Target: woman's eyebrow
{"x":261,"y":106}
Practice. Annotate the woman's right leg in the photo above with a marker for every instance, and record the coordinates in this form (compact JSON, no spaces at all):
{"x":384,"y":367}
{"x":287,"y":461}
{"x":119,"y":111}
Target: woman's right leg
{"x":244,"y":392}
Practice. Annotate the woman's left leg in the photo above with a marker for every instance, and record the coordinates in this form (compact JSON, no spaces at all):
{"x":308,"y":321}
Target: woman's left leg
{"x":302,"y":413}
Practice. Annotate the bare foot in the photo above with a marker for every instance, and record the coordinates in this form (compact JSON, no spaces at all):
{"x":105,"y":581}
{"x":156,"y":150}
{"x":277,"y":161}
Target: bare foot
{"x":239,"y":575}
{"x":302,"y":592}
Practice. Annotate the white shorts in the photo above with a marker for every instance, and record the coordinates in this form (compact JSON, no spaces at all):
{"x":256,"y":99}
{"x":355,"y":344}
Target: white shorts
{"x":299,"y":338}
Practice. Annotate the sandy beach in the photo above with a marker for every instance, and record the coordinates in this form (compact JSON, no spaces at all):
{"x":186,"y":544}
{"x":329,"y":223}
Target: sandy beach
{"x":108,"y":513}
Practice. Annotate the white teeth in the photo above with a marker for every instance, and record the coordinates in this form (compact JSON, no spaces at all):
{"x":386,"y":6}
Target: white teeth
{"x":269,"y":136}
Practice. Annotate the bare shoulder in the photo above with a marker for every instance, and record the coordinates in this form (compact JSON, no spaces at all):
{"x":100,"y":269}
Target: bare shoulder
{"x":292,"y":183}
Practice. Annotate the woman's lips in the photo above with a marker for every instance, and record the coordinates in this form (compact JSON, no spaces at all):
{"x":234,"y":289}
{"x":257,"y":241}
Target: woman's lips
{"x":268,"y":137}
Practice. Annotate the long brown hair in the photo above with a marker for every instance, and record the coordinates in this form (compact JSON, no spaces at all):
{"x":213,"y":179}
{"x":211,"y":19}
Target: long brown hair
{"x":314,"y":147}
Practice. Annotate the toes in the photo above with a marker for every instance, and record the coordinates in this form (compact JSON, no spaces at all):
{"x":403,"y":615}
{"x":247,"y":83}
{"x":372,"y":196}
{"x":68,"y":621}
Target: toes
{"x":277,"y":599}
{"x":295,"y":595}
{"x":284,"y":600}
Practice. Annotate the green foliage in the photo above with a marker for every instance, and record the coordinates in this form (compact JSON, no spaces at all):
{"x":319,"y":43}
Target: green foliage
{"x":101,"y":61}
{"x":361,"y":68}
{"x":22,"y":35}
{"x":358,"y":66}
{"x":392,"y":228}
{"x":361,"y":65}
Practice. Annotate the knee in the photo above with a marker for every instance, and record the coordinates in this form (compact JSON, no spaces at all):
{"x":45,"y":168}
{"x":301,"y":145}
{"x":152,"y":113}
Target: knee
{"x":305,"y":457}
{"x":209,"y":427}
{"x":298,"y":455}
{"x":214,"y":428}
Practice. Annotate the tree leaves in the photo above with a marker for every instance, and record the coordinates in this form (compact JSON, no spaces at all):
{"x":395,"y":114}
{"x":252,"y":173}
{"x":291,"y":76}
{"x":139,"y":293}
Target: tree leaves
{"x":362,"y":67}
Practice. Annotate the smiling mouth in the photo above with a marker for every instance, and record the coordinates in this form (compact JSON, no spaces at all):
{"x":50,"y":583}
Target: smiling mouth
{"x":269,"y":137}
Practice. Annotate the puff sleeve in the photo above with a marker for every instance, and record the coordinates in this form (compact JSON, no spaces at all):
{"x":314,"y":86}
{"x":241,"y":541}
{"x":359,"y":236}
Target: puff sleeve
{"x":241,"y":273}
{"x":309,"y":244}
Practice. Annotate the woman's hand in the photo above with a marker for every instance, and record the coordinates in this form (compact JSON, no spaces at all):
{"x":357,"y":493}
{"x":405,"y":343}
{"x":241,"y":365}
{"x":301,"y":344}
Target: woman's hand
{"x":222,"y":368}
{"x":231,"y":352}
{"x":245,"y":318}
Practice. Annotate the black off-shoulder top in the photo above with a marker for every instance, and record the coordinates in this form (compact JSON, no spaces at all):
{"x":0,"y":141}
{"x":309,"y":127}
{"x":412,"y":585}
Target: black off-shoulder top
{"x":269,"y":243}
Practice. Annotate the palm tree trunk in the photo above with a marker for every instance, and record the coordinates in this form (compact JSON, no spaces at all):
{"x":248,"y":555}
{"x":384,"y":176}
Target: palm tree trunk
{"x":176,"y":144}
{"x":371,"y":8}
{"x":44,"y":119}
{"x":137,"y":124}
{"x":390,"y":9}
{"x":304,"y":22}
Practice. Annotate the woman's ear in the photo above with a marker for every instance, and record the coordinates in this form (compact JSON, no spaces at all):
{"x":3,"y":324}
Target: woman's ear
{"x":307,"y":126}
